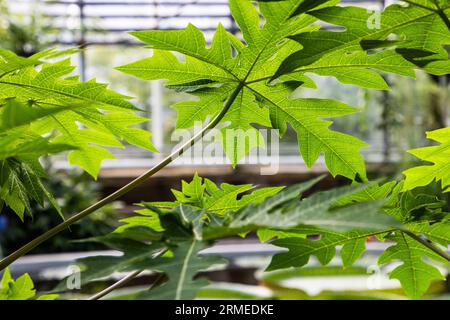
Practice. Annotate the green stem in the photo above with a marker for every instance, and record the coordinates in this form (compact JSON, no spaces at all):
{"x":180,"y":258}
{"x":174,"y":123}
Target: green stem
{"x":440,"y":11}
{"x":444,"y":18}
{"x":123,"y":282}
{"x":428,"y":244}
{"x":116,"y":285}
{"x":126,"y":280}
{"x":122,"y":191}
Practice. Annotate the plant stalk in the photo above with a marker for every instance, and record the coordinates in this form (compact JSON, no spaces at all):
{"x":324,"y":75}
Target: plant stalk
{"x":127,"y":279}
{"x":122,"y":191}
{"x":444,"y":18}
{"x":123,"y":282}
{"x":428,"y":244}
{"x":116,"y":285}
{"x":440,"y":11}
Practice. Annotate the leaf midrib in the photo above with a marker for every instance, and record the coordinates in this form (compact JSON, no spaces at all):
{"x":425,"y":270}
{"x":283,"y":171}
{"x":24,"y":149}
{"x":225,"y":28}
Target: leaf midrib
{"x":75,"y":97}
{"x":184,"y":269}
{"x":358,"y":39}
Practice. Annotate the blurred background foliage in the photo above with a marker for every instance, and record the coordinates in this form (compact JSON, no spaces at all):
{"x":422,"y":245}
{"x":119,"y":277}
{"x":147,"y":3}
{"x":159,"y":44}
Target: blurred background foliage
{"x":74,"y":191}
{"x":24,"y":35}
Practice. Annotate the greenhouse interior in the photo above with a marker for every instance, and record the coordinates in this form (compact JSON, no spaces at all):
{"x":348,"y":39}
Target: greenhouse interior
{"x":224,"y":150}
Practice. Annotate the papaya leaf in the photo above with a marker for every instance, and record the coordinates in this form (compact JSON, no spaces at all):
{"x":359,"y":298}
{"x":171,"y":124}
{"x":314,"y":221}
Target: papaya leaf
{"x":438,"y":155}
{"x":180,"y":263}
{"x":44,"y":111}
{"x":21,"y":288}
{"x":202,"y":193}
{"x":20,"y":182}
{"x":134,"y":254}
{"x":314,"y":135}
{"x":337,"y":53}
{"x":285,"y":211}
{"x":324,"y":248}
{"x":414,"y":273}
{"x":438,"y":232}
{"x":10,"y":62}
{"x":180,"y":269}
{"x":211,"y":73}
{"x":59,"y":103}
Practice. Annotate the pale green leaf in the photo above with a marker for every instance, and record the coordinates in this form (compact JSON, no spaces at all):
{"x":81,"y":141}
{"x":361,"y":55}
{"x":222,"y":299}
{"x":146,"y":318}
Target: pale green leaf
{"x":414,"y":273}
{"x":438,"y":155}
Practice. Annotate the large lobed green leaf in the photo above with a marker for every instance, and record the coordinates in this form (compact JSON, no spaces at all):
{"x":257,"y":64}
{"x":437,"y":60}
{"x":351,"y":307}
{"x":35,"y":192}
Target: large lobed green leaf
{"x":438,"y":155}
{"x":287,"y":46}
{"x":421,"y":34}
{"x":45,"y":111}
{"x":211,"y":73}
{"x":202,"y":193}
{"x":84,"y":115}
{"x":21,"y":288}
{"x":186,"y":228}
{"x":414,"y":273}
{"x":301,"y":249}
{"x":181,"y":270}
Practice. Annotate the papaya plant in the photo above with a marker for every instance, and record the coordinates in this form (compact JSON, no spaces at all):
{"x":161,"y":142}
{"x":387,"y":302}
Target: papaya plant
{"x":21,"y":288}
{"x":242,"y":82}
